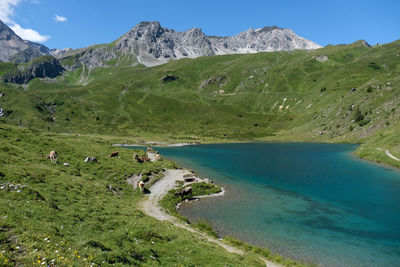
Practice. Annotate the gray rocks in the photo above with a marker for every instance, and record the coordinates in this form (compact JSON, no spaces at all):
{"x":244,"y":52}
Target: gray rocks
{"x":151,"y":44}
{"x":321,"y":58}
{"x":184,"y":191}
{"x":265,"y":39}
{"x":1,"y":112}
{"x":44,"y":67}
{"x":219,"y":81}
{"x":154,"y":45}
{"x":13,"y":48}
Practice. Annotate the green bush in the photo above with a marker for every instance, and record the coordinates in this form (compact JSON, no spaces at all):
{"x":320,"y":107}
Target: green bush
{"x":358,"y":116}
{"x":145,"y":178}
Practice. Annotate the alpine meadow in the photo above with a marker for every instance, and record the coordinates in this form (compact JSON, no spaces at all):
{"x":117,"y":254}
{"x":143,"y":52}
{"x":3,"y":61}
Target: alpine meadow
{"x":156,"y":86}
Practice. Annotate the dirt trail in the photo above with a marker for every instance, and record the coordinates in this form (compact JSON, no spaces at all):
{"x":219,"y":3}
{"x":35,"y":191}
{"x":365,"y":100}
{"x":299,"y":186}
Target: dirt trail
{"x":391,"y":156}
{"x":150,"y":206}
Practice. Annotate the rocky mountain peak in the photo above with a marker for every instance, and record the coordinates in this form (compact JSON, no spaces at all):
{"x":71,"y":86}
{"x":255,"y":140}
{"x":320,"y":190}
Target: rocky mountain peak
{"x":6,"y":33}
{"x":154,"y":44}
{"x":268,"y":28}
{"x":151,"y":44}
{"x":13,"y":48}
{"x":147,"y":28}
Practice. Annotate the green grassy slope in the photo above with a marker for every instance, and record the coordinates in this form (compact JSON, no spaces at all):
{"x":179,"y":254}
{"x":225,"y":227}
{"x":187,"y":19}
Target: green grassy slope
{"x":85,"y":213}
{"x":71,"y":215}
{"x":265,"y":96}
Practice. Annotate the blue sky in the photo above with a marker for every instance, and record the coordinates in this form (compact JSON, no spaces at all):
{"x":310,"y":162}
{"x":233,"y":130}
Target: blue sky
{"x":86,"y":22}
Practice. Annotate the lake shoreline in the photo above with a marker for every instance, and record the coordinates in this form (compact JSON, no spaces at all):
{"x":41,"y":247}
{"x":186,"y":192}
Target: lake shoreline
{"x":150,"y":206}
{"x":165,"y":144}
{"x":188,"y":158}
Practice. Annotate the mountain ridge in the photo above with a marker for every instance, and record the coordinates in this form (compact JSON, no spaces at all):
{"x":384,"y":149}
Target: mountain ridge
{"x":13,"y":48}
{"x":151,"y":44}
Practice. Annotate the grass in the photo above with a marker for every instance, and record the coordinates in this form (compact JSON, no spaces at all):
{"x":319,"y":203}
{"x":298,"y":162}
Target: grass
{"x":133,"y":101}
{"x":170,"y":201}
{"x":264,"y":252}
{"x":85,"y":213}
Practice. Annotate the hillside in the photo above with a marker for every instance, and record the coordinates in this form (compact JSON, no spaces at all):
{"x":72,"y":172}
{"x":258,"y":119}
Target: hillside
{"x":88,"y":99}
{"x":344,"y":93}
{"x":14,"y":49}
{"x":86,"y":214}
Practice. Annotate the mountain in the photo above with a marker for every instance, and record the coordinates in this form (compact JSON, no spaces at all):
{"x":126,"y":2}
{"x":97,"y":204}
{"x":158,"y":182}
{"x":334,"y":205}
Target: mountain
{"x":151,"y":44}
{"x":339,"y":93}
{"x":14,"y":49}
{"x":154,"y":44}
{"x":42,"y":67}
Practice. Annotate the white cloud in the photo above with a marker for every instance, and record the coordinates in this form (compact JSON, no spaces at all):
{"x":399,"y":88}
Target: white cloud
{"x":29,"y":34}
{"x":7,"y":8}
{"x":59,"y":18}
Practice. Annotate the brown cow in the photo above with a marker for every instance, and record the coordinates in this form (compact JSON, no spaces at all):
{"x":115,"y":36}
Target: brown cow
{"x":114,"y":154}
{"x":53,"y":155}
{"x":141,"y":186}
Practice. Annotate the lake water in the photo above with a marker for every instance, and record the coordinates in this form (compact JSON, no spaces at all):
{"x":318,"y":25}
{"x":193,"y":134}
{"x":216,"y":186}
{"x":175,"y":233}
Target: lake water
{"x":316,"y":203}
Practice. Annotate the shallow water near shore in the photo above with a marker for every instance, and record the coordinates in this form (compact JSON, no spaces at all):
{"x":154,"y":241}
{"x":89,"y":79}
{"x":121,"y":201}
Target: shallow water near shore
{"x":315,"y":203}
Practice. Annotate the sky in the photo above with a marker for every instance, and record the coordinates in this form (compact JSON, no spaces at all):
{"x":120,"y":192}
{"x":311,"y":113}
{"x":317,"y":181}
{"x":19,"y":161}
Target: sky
{"x":75,"y":24}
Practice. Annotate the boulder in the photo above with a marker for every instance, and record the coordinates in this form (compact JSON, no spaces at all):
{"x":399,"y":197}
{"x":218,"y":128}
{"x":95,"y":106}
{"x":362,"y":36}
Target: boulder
{"x":184,"y":191}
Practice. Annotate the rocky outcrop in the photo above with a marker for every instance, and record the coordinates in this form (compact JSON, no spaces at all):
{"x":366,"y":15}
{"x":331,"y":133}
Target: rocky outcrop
{"x":13,"y":48}
{"x":44,"y":67}
{"x":267,"y":39}
{"x":154,"y":44}
{"x":151,"y":44}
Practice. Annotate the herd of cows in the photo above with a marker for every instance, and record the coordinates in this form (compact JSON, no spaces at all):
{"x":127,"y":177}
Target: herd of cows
{"x":151,"y":156}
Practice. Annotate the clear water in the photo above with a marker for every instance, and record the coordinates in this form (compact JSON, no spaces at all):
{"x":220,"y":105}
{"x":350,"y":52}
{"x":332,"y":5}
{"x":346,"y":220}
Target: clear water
{"x":315,"y":203}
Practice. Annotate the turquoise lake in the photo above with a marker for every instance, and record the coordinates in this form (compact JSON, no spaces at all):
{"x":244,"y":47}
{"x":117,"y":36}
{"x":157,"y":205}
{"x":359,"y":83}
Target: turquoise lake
{"x":316,"y":203}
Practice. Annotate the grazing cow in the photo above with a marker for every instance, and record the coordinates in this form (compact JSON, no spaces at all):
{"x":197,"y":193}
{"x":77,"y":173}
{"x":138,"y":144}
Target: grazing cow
{"x":53,"y":155}
{"x":91,"y":159}
{"x":114,"y":154}
{"x":141,"y":186}
{"x":184,"y":191}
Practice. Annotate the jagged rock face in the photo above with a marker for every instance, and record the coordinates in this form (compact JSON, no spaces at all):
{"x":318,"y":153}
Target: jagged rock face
{"x":267,"y":39}
{"x":90,"y":57}
{"x":154,"y":45}
{"x":13,"y":48}
{"x":151,"y":44}
{"x":46,"y":67}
